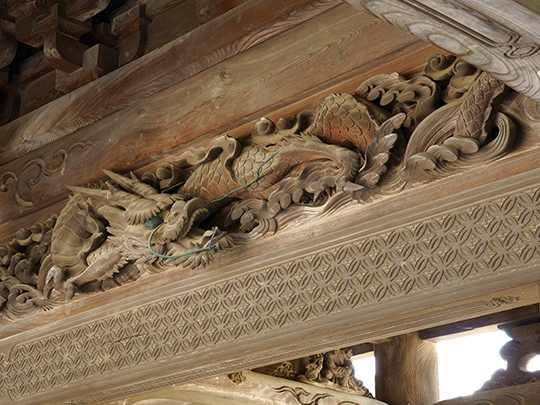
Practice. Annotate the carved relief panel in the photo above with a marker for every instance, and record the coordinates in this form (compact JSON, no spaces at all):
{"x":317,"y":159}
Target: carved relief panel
{"x":391,"y":133}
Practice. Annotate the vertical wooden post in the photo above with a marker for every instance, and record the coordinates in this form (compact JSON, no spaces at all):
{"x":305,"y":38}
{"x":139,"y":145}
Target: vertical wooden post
{"x":406,"y":371}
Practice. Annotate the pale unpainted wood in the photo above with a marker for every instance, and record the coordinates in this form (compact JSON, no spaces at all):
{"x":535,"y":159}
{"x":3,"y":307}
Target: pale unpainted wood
{"x":315,"y":58}
{"x":406,"y":371}
{"x":236,"y":31}
{"x":499,"y":36}
{"x":532,"y":5}
{"x":488,"y":321}
{"x":375,"y":321}
{"x":386,"y":213}
{"x":528,"y":393}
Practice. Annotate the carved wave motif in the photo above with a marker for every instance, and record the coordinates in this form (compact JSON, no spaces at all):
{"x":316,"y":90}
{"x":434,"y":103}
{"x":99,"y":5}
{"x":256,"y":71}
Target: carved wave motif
{"x":391,"y":133}
{"x":486,"y":38}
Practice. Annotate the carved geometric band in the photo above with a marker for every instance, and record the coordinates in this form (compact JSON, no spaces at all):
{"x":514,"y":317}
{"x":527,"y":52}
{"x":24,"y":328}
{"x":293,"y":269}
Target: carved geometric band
{"x":492,"y":237}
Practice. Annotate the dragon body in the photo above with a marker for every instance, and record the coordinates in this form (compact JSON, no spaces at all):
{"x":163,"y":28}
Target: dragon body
{"x":240,"y":185}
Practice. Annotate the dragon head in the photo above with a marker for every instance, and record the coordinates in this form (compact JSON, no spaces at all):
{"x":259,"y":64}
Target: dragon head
{"x":182,"y":216}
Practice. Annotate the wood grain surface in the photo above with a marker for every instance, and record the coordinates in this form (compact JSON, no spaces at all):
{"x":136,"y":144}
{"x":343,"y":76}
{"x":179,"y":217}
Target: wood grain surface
{"x":498,"y":36}
{"x":303,"y":65}
{"x":233,"y":33}
{"x":406,"y":371}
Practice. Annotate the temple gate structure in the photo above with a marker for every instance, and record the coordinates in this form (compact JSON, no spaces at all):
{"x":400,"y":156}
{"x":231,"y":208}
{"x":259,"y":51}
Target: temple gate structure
{"x":222,"y":201}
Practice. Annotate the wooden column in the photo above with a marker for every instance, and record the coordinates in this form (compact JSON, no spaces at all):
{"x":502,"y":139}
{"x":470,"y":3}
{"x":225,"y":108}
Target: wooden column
{"x":406,"y":371}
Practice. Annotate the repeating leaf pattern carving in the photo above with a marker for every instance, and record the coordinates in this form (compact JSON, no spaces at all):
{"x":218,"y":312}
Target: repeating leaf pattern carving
{"x":493,"y":237}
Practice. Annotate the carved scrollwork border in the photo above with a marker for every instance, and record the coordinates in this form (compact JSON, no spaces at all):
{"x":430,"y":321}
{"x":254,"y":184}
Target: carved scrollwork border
{"x":493,"y":237}
{"x":34,"y":171}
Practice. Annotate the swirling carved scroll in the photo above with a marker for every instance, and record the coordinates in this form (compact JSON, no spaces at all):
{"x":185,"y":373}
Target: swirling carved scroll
{"x":33,"y":172}
{"x":333,"y":370}
{"x":525,"y":344}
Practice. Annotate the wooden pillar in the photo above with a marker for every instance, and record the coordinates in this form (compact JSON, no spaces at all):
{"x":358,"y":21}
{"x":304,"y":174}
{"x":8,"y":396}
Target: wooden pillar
{"x":406,"y":371}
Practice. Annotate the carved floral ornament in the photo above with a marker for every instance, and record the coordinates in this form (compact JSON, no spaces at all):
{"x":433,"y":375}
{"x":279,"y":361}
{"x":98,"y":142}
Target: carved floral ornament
{"x":391,"y":133}
{"x":333,"y":369}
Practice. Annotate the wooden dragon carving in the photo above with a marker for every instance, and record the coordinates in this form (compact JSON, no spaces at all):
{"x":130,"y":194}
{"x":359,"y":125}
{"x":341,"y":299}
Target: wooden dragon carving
{"x":392,"y":132}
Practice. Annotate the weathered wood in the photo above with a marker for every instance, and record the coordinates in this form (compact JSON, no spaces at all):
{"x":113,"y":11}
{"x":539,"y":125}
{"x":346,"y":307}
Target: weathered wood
{"x":347,"y":322}
{"x":185,"y":57}
{"x":84,"y":9}
{"x":155,"y":7}
{"x":406,"y":371}
{"x":33,"y":68}
{"x":506,"y":44}
{"x":532,"y":5}
{"x":9,"y":104}
{"x":96,"y":62}
{"x":8,"y":47}
{"x":39,"y":92}
{"x":63,"y":51}
{"x":207,"y":10}
{"x":32,"y":22}
{"x":371,"y":219}
{"x":171,"y":24}
{"x":514,"y":383}
{"x":203,"y":107}
{"x":525,"y":394}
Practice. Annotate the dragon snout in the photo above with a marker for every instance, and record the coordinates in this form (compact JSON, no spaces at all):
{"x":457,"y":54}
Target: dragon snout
{"x":182,"y":216}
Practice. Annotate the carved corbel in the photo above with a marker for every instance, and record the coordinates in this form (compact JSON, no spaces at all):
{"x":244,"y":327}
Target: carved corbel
{"x":8,"y":48}
{"x":64,"y":52}
{"x":525,"y":345}
{"x":34,"y":21}
{"x":97,"y":61}
{"x":9,"y":107}
{"x":131,"y":26}
{"x":513,"y":385}
{"x":82,"y":10}
{"x":61,"y":46}
{"x":8,"y":42}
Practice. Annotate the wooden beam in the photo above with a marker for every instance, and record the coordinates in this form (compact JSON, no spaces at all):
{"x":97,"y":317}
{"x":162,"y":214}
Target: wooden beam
{"x":470,"y":325}
{"x":145,"y":314}
{"x":242,"y":28}
{"x":498,"y":36}
{"x":301,"y":66}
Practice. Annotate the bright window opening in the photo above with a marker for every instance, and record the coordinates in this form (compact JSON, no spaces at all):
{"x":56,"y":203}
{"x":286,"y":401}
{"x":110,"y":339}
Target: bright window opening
{"x":466,"y":362}
{"x":364,"y":370}
{"x":534,"y":364}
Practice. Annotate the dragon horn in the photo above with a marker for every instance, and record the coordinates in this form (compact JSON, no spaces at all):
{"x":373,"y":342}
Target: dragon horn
{"x":90,"y":192}
{"x":110,"y":187}
{"x":112,"y":194}
{"x":132,"y":184}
